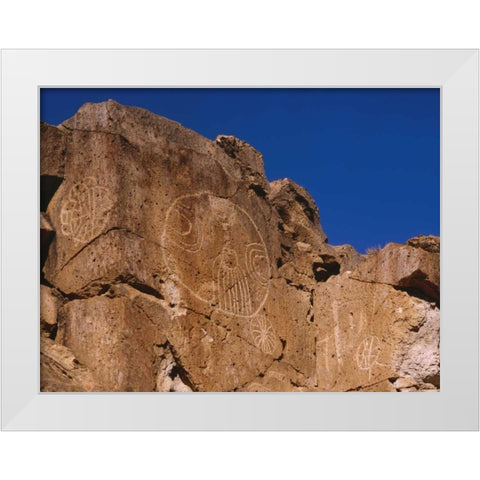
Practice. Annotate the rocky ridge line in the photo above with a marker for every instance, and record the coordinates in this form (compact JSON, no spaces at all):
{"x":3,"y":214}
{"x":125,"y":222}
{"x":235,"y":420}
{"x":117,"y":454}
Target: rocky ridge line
{"x":170,"y":263}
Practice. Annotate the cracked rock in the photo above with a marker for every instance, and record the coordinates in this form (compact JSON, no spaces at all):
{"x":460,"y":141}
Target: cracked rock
{"x":60,"y":371}
{"x":171,"y":264}
{"x":404,"y":266}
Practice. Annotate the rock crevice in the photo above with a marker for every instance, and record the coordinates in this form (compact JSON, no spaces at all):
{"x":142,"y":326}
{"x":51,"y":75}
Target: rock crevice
{"x":171,"y":264}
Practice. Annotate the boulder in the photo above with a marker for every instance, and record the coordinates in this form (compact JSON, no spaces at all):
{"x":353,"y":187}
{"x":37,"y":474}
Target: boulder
{"x":430,"y":243}
{"x":60,"y":371}
{"x":405,"y":267}
{"x":50,"y":302}
{"x":52,"y":151}
{"x":370,"y":333}
{"x":114,"y":339}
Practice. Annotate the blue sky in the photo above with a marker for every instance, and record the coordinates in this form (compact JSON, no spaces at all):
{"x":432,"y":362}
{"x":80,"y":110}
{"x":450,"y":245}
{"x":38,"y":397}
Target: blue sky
{"x":369,"y":157}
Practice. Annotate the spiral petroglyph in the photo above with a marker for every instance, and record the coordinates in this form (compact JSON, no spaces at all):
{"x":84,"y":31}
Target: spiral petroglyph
{"x":256,"y":262}
{"x":202,"y":229}
{"x":170,"y":262}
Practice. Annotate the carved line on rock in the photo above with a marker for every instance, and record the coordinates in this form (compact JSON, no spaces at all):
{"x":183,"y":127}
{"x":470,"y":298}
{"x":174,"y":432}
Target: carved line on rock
{"x":233,"y":289}
{"x":232,"y":284}
{"x":253,"y":253}
{"x":86,"y":211}
{"x":336,"y":333}
{"x":184,"y":238}
{"x":263,"y":334}
{"x":325,"y":352}
{"x":367,"y":354}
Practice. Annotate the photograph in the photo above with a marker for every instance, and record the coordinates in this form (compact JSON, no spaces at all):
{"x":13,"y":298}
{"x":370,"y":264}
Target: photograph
{"x":239,"y":239}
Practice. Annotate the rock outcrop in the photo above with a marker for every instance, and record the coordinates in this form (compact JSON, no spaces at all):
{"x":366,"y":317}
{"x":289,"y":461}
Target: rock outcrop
{"x":170,"y":263}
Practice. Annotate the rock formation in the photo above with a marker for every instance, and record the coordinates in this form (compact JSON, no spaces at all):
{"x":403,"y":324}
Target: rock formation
{"x":170,"y":263}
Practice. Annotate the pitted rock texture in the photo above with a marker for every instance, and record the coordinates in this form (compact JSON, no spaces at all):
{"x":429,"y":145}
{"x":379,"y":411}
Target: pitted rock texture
{"x":403,"y":266}
{"x":171,"y":264}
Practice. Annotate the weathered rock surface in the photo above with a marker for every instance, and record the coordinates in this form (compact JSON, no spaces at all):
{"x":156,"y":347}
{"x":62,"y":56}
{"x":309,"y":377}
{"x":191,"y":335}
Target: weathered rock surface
{"x":430,"y":243}
{"x":170,"y":263}
{"x":370,"y":334}
{"x":60,"y":371}
{"x":403,"y":266}
{"x":50,"y":303}
{"x":52,"y":151}
{"x":113,"y":338}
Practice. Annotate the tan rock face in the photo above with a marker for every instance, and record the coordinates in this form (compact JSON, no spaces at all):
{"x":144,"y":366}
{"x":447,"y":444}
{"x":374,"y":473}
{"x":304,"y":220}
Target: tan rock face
{"x":52,"y":151}
{"x":60,"y":371}
{"x":430,"y":243}
{"x":403,"y":266}
{"x":172,"y":264}
{"x":50,"y":303}
{"x":114,"y":339}
{"x":369,"y":333}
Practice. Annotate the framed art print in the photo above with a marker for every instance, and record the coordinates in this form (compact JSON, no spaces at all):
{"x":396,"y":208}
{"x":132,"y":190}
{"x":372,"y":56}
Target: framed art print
{"x":240,"y":239}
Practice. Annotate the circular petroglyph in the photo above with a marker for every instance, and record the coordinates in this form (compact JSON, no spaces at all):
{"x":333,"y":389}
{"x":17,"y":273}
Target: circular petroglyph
{"x":367,"y":353}
{"x":215,"y":250}
{"x":263,"y":334}
{"x":85,"y":212}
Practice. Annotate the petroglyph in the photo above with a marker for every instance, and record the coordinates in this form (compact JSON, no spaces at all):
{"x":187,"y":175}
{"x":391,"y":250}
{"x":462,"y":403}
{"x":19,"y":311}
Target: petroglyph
{"x":186,"y":248}
{"x":263,"y":334}
{"x":323,"y":353}
{"x":232,"y":285}
{"x":187,"y":228}
{"x":367,"y":354}
{"x":363,"y":320}
{"x":86,"y":212}
{"x":336,"y":333}
{"x":204,"y":229}
{"x":256,"y":261}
